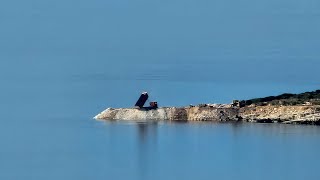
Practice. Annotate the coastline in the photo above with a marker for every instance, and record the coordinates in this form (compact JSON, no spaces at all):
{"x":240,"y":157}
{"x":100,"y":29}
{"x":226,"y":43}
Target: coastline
{"x":301,"y":114}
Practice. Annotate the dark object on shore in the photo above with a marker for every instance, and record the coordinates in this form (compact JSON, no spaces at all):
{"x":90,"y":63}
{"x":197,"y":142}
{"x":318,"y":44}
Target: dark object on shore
{"x":202,"y":105}
{"x":154,"y":105}
{"x":264,"y":121}
{"x":237,"y":103}
{"x":143,"y":99}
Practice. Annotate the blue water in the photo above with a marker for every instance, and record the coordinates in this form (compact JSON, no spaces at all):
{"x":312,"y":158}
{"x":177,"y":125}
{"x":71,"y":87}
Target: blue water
{"x":64,"y":61}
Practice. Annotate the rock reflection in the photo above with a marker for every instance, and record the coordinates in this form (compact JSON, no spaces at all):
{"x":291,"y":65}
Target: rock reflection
{"x":146,"y":131}
{"x":147,"y":147}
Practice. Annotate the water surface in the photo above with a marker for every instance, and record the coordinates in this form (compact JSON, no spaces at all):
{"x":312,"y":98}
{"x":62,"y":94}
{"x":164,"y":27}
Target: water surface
{"x":64,"y":61}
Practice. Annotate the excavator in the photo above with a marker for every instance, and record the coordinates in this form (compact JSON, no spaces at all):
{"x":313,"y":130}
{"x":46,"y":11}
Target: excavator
{"x":143,"y":99}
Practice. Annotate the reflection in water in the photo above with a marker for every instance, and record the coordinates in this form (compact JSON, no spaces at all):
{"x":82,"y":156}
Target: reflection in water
{"x":208,"y":150}
{"x":147,"y":130}
{"x":146,"y":144}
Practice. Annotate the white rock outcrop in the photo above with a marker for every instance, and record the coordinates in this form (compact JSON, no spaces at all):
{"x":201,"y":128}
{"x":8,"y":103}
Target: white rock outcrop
{"x":171,"y":113}
{"x":284,"y":114}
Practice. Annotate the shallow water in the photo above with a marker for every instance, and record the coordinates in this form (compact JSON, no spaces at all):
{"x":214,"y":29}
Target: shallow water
{"x":82,"y":149}
{"x":63,"y":62}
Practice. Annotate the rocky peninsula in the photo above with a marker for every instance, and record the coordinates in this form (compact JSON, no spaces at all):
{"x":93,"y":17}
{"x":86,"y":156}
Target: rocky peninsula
{"x":287,"y":108}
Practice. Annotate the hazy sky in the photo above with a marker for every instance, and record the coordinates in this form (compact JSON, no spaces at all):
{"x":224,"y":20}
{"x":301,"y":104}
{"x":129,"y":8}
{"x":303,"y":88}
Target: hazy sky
{"x":249,"y":41}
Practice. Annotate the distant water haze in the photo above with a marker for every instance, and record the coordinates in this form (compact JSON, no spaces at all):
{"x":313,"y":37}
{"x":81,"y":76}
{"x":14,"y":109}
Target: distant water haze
{"x":225,"y":49}
{"x":62,"y":62}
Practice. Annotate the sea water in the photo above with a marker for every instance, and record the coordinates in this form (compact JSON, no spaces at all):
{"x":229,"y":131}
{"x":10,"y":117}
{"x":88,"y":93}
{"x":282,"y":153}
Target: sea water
{"x":63,"y":62}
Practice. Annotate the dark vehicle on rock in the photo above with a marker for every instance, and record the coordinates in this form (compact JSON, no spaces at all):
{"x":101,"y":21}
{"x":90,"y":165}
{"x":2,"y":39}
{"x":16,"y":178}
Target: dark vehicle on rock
{"x":143,"y":99}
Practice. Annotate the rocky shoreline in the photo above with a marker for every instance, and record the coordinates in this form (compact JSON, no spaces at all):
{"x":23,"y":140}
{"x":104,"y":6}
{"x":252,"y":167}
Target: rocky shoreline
{"x":301,"y":114}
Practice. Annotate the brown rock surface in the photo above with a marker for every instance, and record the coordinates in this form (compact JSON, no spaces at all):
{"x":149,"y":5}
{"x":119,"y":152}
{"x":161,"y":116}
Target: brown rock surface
{"x":281,"y":113}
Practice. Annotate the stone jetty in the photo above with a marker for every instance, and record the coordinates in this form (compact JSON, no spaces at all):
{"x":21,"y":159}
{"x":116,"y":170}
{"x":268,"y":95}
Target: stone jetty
{"x":302,"y":114}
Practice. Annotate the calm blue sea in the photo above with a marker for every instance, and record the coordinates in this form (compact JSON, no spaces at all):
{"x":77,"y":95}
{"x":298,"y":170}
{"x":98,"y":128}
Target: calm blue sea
{"x":64,"y":61}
